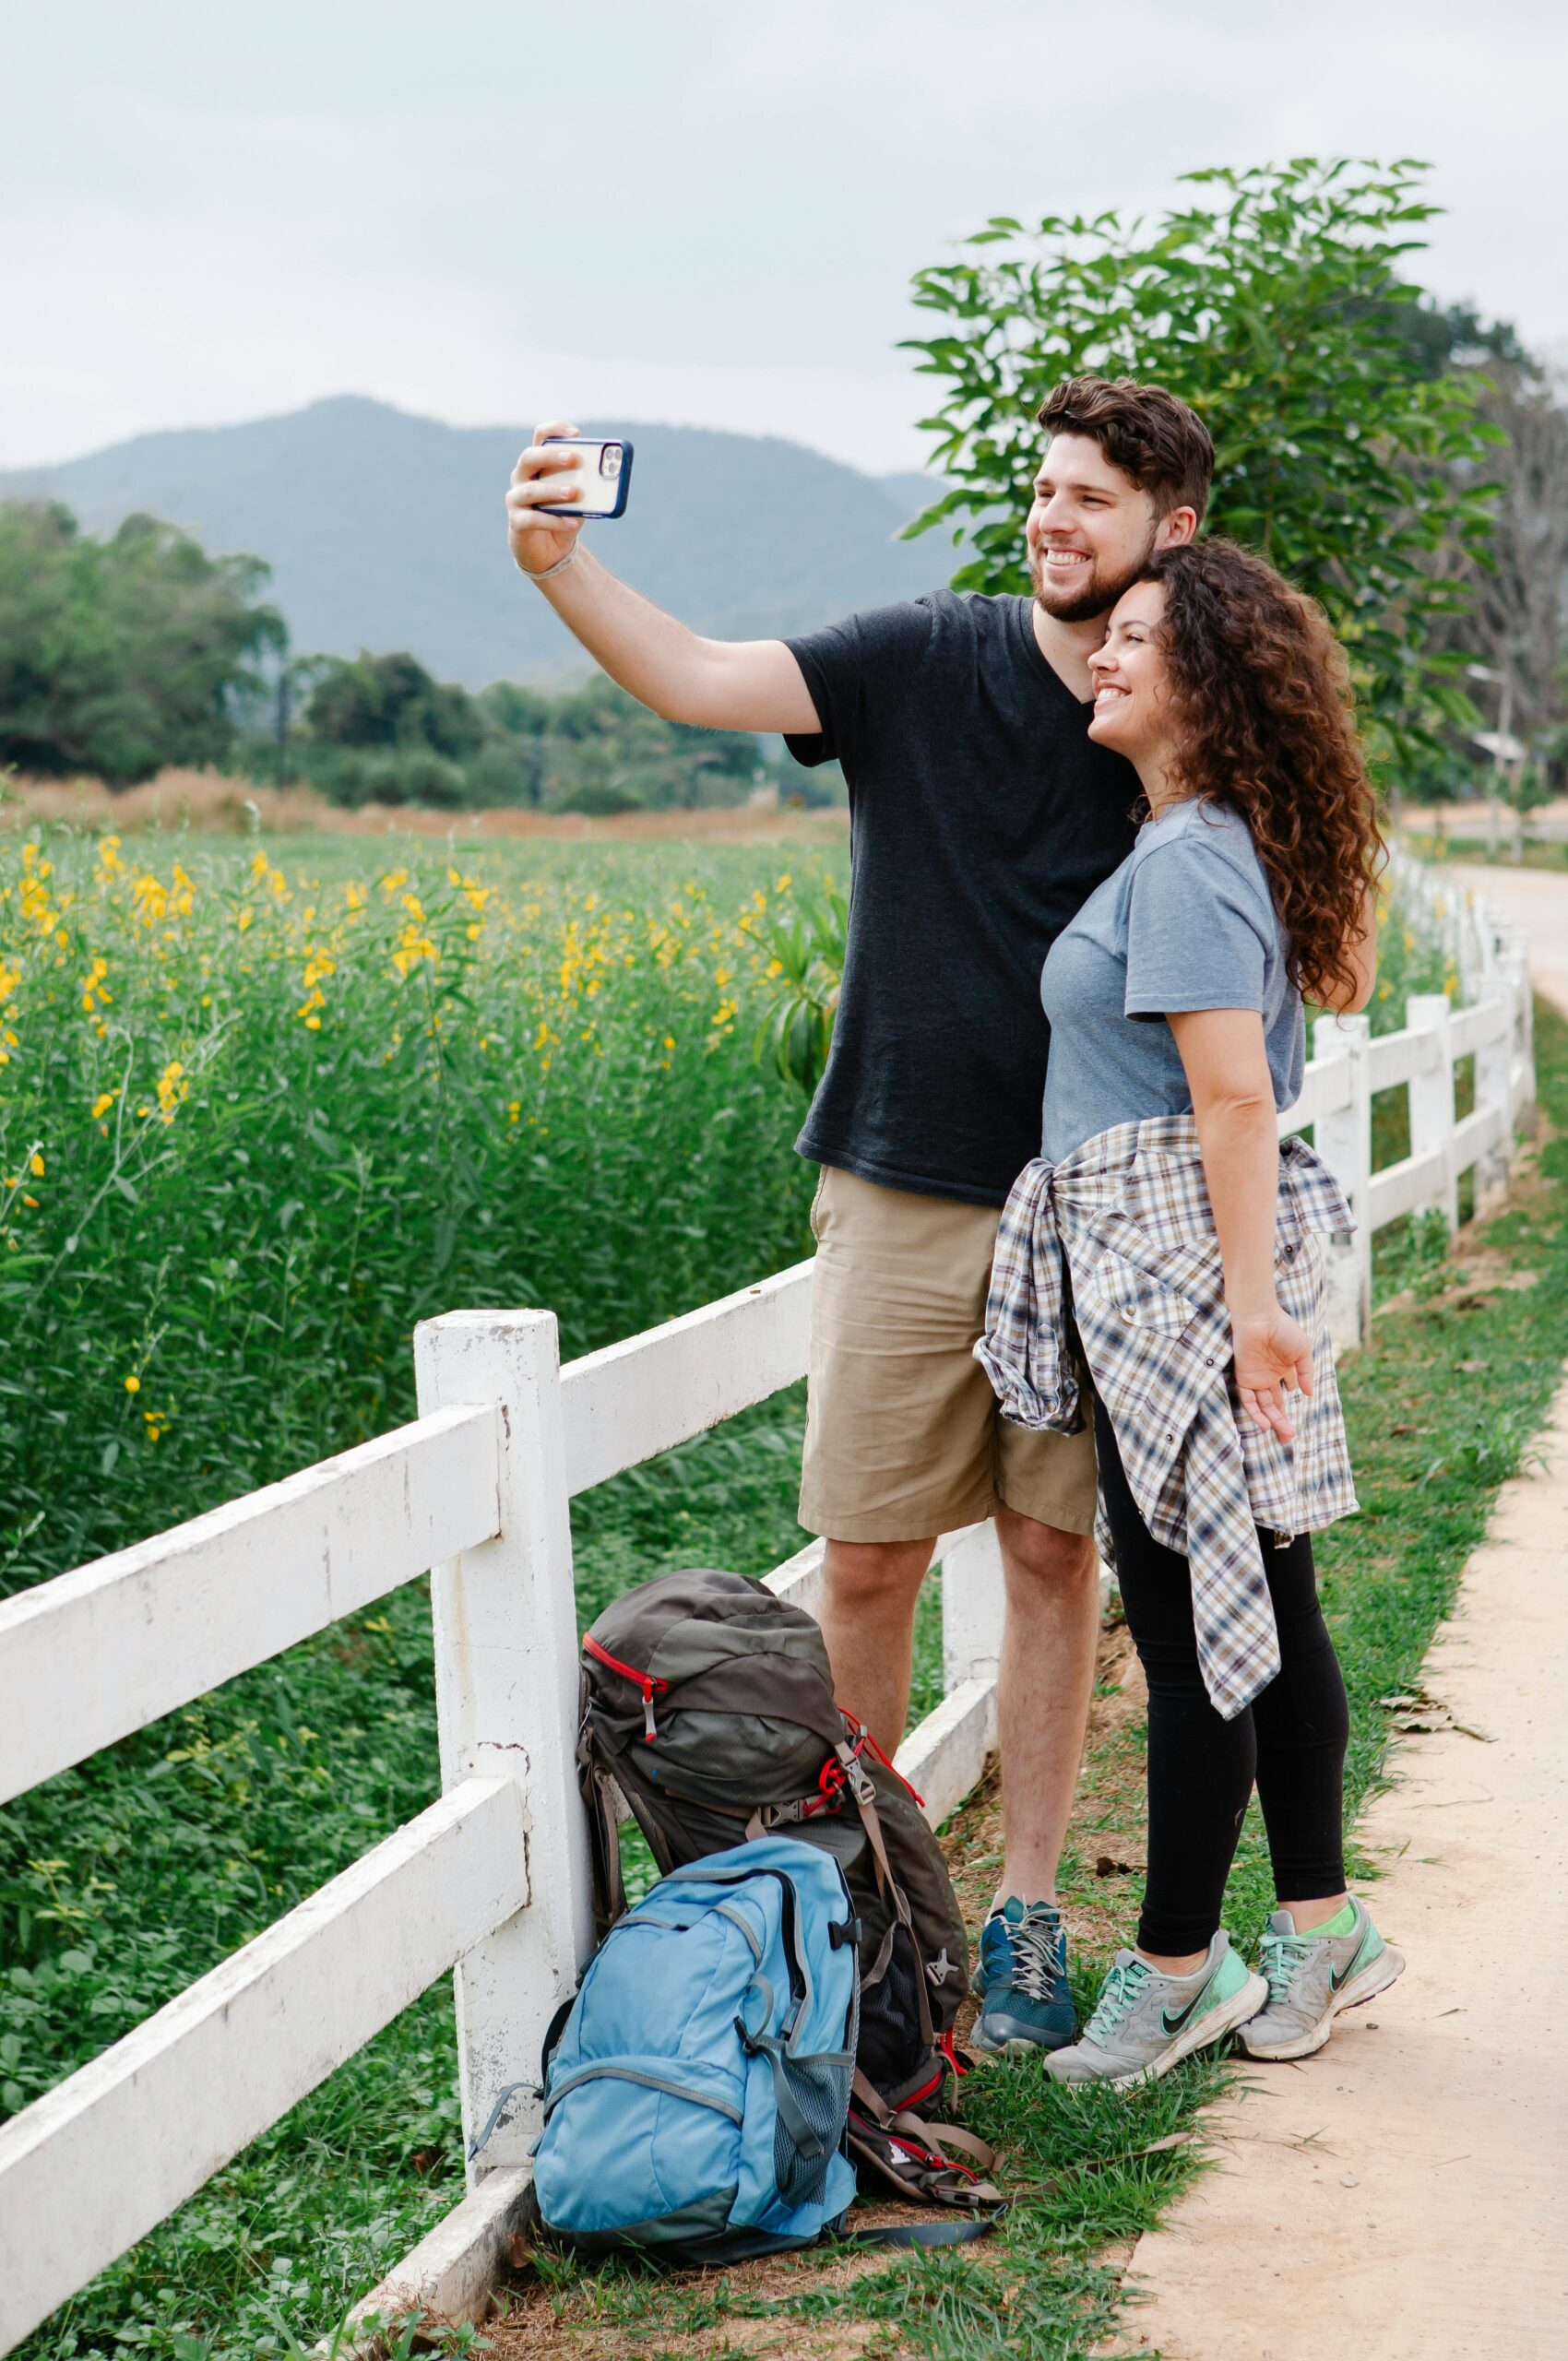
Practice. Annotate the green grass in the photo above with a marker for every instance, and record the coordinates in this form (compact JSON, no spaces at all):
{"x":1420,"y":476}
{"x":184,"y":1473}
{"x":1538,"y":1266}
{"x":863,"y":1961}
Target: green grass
{"x":1426,"y":843}
{"x":257,"y":1262}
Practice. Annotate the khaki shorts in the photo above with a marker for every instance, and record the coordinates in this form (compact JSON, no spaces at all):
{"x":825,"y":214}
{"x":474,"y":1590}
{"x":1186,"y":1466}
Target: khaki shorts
{"x":904,"y":1437}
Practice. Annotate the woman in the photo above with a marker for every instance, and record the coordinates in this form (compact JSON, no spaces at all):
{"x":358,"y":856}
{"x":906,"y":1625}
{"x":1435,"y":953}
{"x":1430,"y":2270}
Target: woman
{"x":1170,"y":1246}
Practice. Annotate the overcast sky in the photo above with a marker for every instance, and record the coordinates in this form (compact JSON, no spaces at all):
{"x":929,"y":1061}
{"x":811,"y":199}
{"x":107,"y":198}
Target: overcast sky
{"x":702,"y":211}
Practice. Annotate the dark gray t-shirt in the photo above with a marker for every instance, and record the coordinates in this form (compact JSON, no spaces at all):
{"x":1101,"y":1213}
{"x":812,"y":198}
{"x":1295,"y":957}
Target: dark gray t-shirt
{"x":982,"y":814}
{"x":1187,"y":921}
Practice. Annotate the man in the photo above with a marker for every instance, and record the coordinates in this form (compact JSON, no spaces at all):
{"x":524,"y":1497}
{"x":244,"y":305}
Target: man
{"x":981,"y":818}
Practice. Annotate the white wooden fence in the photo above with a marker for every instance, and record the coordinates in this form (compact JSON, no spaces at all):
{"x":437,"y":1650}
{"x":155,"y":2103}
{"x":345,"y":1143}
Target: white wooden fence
{"x":493,"y":1879}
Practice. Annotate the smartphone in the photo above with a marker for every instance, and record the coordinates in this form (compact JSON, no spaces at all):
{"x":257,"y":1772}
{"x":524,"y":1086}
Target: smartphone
{"x":599,"y":487}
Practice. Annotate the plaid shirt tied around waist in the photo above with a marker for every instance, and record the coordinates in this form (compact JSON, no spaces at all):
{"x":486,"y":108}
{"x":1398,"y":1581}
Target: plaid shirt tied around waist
{"x":1118,"y":1241}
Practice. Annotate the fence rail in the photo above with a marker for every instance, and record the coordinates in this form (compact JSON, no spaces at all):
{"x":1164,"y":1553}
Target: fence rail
{"x":493,"y":1879}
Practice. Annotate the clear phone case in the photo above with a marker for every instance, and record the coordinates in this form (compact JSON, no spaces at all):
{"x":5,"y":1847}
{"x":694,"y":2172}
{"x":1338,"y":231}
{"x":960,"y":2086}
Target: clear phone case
{"x":597,"y":487}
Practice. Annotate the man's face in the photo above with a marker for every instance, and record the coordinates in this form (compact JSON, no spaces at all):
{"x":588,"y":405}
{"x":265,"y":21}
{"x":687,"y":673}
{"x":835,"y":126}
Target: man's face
{"x":1091,"y":530}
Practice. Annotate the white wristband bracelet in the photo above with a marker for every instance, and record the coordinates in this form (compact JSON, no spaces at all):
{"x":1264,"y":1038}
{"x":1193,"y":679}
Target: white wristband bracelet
{"x":560,"y":565}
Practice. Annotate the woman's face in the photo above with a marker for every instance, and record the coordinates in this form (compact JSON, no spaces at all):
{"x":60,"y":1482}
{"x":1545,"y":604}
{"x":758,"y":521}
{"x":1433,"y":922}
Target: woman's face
{"x":1131,"y":712}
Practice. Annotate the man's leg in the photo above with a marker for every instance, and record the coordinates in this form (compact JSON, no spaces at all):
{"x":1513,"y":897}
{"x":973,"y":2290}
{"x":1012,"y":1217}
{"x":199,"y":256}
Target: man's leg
{"x":1044,"y":1683}
{"x":900,"y":1419}
{"x":868,"y":1620}
{"x":1043,"y":1693}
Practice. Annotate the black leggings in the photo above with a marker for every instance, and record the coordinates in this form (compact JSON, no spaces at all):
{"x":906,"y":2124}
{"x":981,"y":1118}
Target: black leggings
{"x":1201,"y":1769}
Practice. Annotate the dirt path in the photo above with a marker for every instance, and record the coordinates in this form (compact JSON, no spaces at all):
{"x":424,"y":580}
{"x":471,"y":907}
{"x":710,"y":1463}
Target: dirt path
{"x":1403,"y":2195}
{"x":1537,"y":901}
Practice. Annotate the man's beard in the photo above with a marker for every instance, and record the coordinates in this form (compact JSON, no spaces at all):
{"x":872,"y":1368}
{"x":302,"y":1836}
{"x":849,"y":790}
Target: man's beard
{"x":1098,"y":594}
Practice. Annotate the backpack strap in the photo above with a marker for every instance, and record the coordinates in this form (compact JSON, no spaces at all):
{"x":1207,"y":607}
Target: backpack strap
{"x":767,"y":2045}
{"x":865,"y":1794}
{"x":924,"y":2234}
{"x":603,"y":1798}
{"x":923,"y":2159}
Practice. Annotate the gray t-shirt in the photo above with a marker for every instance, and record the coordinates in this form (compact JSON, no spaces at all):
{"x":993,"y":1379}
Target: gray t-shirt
{"x":1187,"y":921}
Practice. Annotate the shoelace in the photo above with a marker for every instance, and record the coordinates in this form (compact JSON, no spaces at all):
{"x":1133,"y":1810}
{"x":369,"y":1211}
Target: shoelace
{"x":1281,"y":1957}
{"x":1121,"y":1989}
{"x":1036,"y":1962}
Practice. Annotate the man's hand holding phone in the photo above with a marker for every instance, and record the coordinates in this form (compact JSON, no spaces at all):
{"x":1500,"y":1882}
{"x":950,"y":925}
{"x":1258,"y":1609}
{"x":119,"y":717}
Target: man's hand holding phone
{"x":540,"y":540}
{"x":561,"y":479}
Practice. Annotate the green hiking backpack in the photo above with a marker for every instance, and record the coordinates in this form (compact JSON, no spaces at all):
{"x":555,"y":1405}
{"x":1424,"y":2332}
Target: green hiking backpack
{"x":708,"y":1706}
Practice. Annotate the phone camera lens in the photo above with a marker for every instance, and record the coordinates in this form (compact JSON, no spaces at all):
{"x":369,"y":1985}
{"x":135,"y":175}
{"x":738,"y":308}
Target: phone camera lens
{"x":609,"y":459}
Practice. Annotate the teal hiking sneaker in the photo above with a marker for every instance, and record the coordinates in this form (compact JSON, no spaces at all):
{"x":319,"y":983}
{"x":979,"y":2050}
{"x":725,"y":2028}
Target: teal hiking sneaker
{"x":1023,"y":1975}
{"x":1311,"y":1977}
{"x":1145,"y":2022}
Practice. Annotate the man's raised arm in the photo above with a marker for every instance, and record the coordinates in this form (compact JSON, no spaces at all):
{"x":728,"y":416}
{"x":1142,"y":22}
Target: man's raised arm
{"x":722,"y":684}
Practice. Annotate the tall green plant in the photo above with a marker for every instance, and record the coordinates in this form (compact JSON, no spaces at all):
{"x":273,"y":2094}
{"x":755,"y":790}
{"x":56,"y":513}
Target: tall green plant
{"x":1277,"y":304}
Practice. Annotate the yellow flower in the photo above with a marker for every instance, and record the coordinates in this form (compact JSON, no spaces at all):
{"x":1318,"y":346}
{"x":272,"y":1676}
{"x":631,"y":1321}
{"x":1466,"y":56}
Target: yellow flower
{"x":35,"y":1164}
{"x":133,"y":1385}
{"x":103,"y":1103}
{"x":172,"y":1089}
{"x":515,"y":1111}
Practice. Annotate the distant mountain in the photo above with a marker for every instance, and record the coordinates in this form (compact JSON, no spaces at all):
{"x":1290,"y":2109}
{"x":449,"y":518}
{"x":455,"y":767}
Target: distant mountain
{"x":386,"y":532}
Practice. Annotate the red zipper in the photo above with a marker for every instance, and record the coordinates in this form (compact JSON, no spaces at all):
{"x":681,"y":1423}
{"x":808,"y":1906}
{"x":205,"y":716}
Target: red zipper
{"x":646,"y":1681}
{"x":924,"y":2091}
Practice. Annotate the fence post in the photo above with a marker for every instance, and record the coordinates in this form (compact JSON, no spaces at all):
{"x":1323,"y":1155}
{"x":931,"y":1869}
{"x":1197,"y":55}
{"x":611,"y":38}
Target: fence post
{"x":1344,"y":1142}
{"x":974,"y":1605}
{"x":1431,"y":1099}
{"x":1513,"y":950}
{"x":507,"y":1700}
{"x":1494,"y":1059}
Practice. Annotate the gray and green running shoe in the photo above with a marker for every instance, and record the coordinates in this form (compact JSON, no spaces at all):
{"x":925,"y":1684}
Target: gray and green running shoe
{"x":1311,"y":1977}
{"x":1144,"y":2021}
{"x":1023,"y":1976}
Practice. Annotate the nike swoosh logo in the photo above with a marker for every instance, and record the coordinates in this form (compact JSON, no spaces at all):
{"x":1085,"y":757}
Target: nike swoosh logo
{"x":1174,"y":2023}
{"x":1338,"y":1982}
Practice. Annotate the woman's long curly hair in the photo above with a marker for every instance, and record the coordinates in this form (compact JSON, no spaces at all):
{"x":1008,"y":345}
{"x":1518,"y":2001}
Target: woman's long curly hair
{"x":1263,"y":707}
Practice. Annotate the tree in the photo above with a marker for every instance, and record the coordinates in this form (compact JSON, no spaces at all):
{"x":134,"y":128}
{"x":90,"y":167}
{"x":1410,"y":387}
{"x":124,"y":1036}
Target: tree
{"x":1517,"y":623}
{"x":1276,"y":305}
{"x":119,"y":656}
{"x":391,"y":701}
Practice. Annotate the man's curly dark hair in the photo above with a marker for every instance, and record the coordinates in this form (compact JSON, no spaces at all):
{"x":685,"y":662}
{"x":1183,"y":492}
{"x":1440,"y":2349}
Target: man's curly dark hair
{"x":1265,"y":723}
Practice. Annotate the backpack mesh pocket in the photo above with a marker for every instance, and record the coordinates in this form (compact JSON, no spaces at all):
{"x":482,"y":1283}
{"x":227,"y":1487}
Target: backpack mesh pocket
{"x":820,"y":2089}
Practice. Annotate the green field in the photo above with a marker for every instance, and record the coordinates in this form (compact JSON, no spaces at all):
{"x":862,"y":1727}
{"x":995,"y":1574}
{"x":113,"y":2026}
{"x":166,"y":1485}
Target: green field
{"x":261,"y":1109}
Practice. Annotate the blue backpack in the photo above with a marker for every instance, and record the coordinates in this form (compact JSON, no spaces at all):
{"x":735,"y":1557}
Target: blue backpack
{"x":696,"y":2100}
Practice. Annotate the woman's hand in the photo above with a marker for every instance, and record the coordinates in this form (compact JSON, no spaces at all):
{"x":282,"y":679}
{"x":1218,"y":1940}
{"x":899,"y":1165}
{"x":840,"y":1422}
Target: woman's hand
{"x":1272,"y":1352}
